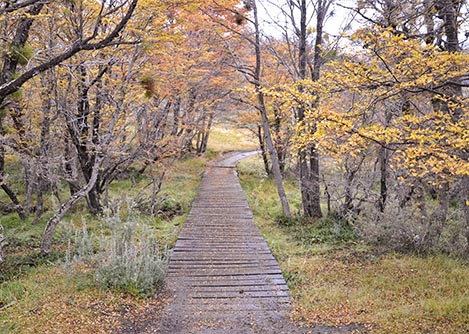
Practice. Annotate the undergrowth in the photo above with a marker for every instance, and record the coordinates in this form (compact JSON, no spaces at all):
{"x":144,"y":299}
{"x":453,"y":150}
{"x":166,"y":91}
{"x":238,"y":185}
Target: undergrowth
{"x":324,"y":230}
{"x":126,"y":257}
{"x":100,"y":267}
{"x":336,"y":278}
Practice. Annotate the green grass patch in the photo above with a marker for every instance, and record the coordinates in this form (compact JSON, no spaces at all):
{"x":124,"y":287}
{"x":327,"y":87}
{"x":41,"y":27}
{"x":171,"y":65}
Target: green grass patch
{"x":48,"y":300}
{"x":324,"y":230}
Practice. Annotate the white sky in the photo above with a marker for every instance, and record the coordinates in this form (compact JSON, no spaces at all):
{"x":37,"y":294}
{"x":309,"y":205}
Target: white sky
{"x":270,"y":17}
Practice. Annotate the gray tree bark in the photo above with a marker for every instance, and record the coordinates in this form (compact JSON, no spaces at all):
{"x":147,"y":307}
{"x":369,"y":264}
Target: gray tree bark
{"x":264,"y":120}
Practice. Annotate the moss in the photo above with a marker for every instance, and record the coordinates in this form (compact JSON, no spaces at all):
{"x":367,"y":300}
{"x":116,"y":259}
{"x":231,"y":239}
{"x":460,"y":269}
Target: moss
{"x":16,"y":96}
{"x":21,"y":54}
{"x":148,"y":83}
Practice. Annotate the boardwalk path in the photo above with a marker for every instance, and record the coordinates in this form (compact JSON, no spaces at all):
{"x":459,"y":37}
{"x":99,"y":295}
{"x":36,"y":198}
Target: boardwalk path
{"x":222,"y":273}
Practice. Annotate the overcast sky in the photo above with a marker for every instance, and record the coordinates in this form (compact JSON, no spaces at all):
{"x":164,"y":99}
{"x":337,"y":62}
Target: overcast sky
{"x":270,"y":17}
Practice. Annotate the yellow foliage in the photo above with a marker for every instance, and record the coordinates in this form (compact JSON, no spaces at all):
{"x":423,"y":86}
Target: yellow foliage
{"x":395,"y":93}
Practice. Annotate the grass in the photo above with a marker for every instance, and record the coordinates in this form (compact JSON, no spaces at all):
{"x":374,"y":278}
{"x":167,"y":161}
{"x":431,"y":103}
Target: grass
{"x":337,"y":280}
{"x":47,"y":300}
{"x":223,"y":139}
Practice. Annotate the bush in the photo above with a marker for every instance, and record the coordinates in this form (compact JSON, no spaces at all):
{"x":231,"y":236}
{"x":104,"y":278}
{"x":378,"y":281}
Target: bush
{"x":125,"y":257}
{"x":130,"y":261}
{"x":396,"y":229}
{"x":404,"y":230}
{"x":325,"y":230}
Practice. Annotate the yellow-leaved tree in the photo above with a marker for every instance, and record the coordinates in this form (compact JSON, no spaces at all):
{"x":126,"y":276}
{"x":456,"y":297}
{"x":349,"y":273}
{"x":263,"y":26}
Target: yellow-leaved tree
{"x":394,"y":110}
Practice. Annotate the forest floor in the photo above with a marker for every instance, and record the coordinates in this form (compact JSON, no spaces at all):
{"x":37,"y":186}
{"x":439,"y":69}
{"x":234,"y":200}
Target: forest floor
{"x":334,"y":278}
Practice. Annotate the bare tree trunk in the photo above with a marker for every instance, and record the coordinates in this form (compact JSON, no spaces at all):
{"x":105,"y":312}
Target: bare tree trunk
{"x":265,"y":158}
{"x":264,"y":120}
{"x":2,"y":239}
{"x":273,"y":156}
{"x":383,"y":182}
{"x":65,"y":207}
{"x":447,"y":10}
{"x":176,"y":109}
{"x":206,"y":133}
{"x":309,"y":157}
{"x":465,"y":204}
{"x":39,"y":205}
{"x":8,"y":71}
{"x":10,"y":193}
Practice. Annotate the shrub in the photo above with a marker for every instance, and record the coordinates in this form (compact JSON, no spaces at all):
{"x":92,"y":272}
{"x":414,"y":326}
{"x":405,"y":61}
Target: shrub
{"x":325,"y":230}
{"x":394,"y":229}
{"x":124,"y":257}
{"x":130,"y":261}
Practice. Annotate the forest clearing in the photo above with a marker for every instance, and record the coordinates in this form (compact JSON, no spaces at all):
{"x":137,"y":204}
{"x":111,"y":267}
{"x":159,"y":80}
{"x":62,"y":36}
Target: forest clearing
{"x":119,"y":126}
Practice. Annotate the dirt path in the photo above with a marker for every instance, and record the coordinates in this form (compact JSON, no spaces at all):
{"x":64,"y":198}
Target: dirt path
{"x":222,"y":277}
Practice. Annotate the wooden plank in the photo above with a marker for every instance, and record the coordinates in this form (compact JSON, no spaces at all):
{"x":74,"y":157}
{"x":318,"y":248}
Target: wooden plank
{"x":237,"y":294}
{"x":240,"y":289}
{"x":223,"y":272}
{"x":221,"y":267}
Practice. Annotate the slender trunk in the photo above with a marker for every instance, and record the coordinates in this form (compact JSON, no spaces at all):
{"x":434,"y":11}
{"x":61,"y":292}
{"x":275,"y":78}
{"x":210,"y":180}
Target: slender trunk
{"x":70,"y":169}
{"x":265,"y":158}
{"x":10,"y":193}
{"x":309,"y":156}
{"x":264,"y":120}
{"x":49,"y":79}
{"x":94,"y":201}
{"x":383,"y":184}
{"x":328,"y":197}
{"x":447,"y":10}
{"x":273,"y":156}
{"x":30,"y":176}
{"x":176,"y":109}
{"x":66,"y":206}
{"x":465,"y":205}
{"x":348,"y":198}
{"x":207,"y":133}
{"x":2,"y":239}
{"x":277,"y":127}
{"x":39,"y":205}
{"x":200,"y":126}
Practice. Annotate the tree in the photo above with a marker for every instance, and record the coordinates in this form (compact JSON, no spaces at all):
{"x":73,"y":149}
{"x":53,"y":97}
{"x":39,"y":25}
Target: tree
{"x":21,"y":64}
{"x":253,"y":74}
{"x":308,"y":156}
{"x":397,"y":76}
{"x":436,"y":23}
{"x":119,"y":111}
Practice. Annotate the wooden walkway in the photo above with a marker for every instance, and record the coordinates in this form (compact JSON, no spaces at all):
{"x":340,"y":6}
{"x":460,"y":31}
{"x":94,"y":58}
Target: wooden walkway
{"x":222,"y":274}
